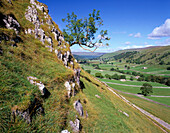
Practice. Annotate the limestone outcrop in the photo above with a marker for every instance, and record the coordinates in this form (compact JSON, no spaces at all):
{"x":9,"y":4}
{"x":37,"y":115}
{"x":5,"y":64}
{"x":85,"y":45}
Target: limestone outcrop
{"x":27,"y":114}
{"x":11,"y":23}
{"x":75,"y":125}
{"x":44,"y":92}
{"x":79,"y":108}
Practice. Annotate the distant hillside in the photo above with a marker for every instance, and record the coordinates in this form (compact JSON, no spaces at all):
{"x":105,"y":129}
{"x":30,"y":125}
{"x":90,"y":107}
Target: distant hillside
{"x":87,"y":55}
{"x":151,"y":55}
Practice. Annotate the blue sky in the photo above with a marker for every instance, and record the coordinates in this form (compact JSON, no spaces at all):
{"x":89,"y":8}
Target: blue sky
{"x":130,"y":23}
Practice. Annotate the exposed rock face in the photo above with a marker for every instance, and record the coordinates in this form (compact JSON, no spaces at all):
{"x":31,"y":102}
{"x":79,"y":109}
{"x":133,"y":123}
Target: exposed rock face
{"x":33,"y":80}
{"x":68,"y":87}
{"x":9,"y":1}
{"x":77,"y":76}
{"x":78,"y":106}
{"x":11,"y":23}
{"x":75,"y":125}
{"x":34,"y":108}
{"x":65,"y":131}
{"x":49,"y":22}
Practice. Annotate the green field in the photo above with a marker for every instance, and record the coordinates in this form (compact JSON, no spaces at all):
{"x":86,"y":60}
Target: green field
{"x":164,"y":100}
{"x":136,"y":90}
{"x":155,"y":109}
{"x":139,"y":83}
{"x":103,"y":71}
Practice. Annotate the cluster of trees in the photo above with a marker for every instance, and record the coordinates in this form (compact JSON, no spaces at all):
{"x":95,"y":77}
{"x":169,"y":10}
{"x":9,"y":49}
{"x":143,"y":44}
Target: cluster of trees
{"x":99,"y":75}
{"x":115,"y":76}
{"x":150,"y":78}
{"x":146,"y":89}
{"x":88,"y":71}
{"x":125,"y":55}
{"x":96,"y":66}
{"x":168,"y":68}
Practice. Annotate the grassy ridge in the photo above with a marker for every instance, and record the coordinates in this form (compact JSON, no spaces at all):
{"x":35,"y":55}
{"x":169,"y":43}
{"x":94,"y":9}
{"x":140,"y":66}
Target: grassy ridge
{"x":151,"y":55}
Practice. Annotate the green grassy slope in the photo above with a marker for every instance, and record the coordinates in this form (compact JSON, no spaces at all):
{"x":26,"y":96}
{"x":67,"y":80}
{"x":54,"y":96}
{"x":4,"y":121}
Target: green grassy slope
{"x":32,"y":58}
{"x":151,"y":55}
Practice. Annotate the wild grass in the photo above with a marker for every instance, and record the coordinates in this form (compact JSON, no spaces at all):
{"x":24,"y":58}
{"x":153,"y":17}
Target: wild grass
{"x":104,"y":115}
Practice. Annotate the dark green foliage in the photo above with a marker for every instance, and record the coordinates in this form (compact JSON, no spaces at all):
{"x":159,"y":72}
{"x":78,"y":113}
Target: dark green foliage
{"x":131,"y":78}
{"x":125,"y":55}
{"x":83,"y":31}
{"x":134,"y":73}
{"x":168,"y":68}
{"x":112,"y":69}
{"x":146,"y":89}
{"x":122,"y":77}
{"x":107,"y":76}
{"x":162,"y":63}
{"x":99,"y":75}
{"x":89,"y":71}
{"x":140,"y":79}
{"x":168,"y":82}
{"x":115,"y":76}
{"x":97,"y":67}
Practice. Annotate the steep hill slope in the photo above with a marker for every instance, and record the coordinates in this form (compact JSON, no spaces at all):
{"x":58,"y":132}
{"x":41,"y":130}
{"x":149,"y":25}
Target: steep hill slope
{"x":150,"y":55}
{"x":42,"y":88}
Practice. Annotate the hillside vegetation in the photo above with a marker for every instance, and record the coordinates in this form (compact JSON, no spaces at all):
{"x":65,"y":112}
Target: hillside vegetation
{"x":40,"y":80}
{"x":151,"y":55}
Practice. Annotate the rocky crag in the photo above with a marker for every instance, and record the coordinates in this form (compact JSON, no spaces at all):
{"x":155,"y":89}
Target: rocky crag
{"x":45,"y":30}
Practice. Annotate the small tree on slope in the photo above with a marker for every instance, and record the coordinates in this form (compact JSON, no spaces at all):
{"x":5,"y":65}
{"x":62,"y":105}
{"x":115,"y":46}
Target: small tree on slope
{"x":146,"y":89}
{"x":82,"y":31}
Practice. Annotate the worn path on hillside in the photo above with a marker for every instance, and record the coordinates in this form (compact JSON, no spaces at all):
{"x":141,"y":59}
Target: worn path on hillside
{"x":135,"y":85}
{"x":149,"y":116}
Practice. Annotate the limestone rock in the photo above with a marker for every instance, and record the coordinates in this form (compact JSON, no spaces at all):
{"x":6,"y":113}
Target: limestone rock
{"x":78,"y":106}
{"x":65,"y":131}
{"x":11,"y":23}
{"x":9,"y":1}
{"x":34,"y":108}
{"x":77,"y":76}
{"x":33,"y":80}
{"x":42,"y":34}
{"x":49,"y":22}
{"x":68,"y":87}
{"x":75,"y":125}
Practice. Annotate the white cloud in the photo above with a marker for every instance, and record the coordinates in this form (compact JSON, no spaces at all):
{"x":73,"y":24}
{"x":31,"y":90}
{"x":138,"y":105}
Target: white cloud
{"x":137,"y":35}
{"x":127,"y":43}
{"x":164,"y":43}
{"x":153,"y":38}
{"x":130,"y":35}
{"x":161,"y":31}
{"x":146,"y":43}
{"x":135,"y":46}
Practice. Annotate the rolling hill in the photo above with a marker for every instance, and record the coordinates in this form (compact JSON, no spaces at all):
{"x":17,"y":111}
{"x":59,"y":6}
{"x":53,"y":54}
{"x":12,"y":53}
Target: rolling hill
{"x":148,"y":55}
